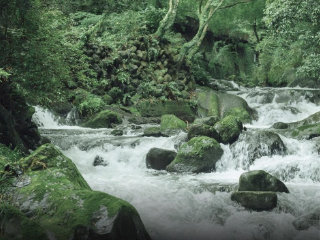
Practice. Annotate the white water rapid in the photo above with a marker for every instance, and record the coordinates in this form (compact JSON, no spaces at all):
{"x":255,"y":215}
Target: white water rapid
{"x":198,"y":206}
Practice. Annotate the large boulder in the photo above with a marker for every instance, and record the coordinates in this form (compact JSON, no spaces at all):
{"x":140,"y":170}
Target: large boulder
{"x":257,"y":201}
{"x":104,"y":119}
{"x":213,"y":103}
{"x":60,"y":200}
{"x":182,"y":109}
{"x":260,"y":180}
{"x":197,"y":130}
{"x":259,"y":144}
{"x":229,"y":129}
{"x":159,"y":159}
{"x":171,"y":122}
{"x":200,"y":154}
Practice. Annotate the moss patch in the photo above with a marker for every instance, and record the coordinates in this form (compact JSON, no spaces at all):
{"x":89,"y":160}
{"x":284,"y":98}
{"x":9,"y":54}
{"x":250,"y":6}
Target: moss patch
{"x":229,"y":129}
{"x":171,"y":122}
{"x":104,"y":119}
{"x":200,"y":154}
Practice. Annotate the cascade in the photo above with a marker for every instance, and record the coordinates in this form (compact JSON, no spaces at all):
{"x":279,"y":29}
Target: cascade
{"x":198,"y":206}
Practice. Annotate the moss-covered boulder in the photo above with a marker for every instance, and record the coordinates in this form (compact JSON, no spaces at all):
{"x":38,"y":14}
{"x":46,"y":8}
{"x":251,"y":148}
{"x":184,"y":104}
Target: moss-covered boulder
{"x":153,"y":132}
{"x":257,"y":201}
{"x":260,"y":180}
{"x":197,"y":130}
{"x":104,"y":119}
{"x":159,"y":159}
{"x":208,"y":102}
{"x":200,"y":154}
{"x":182,"y":109}
{"x":229,"y":129}
{"x":16,"y":226}
{"x":58,"y":198}
{"x":171,"y":122}
{"x":220,"y":105}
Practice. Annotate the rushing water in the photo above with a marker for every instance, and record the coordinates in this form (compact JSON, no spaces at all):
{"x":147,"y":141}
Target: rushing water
{"x":198,"y":206}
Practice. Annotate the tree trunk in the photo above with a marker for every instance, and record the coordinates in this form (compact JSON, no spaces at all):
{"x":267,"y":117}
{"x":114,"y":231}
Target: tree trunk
{"x":167,"y":22}
{"x":190,"y":48}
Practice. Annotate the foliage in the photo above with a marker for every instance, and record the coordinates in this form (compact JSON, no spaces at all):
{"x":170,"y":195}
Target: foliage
{"x":290,"y":52}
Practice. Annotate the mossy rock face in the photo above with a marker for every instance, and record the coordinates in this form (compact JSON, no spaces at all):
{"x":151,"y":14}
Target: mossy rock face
{"x":229,"y":129}
{"x":171,"y":122}
{"x":197,"y":130}
{"x":62,"y":202}
{"x":240,"y":113}
{"x":200,"y":154}
{"x":260,"y":180}
{"x":153,"y":132}
{"x":211,"y":121}
{"x":159,"y":159}
{"x":104,"y":119}
{"x":16,"y":226}
{"x":181,"y":109}
{"x":208,"y":103}
{"x":234,"y":105}
{"x":220,"y":105}
{"x":257,"y":201}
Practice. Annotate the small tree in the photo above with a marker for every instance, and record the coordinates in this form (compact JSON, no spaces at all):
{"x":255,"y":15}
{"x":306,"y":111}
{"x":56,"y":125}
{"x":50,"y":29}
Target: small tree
{"x":167,"y":22}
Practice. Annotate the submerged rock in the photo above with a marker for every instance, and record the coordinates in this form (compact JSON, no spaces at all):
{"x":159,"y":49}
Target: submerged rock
{"x":159,"y":159}
{"x":200,"y":154}
{"x":308,"y":220}
{"x":197,"y":130}
{"x":104,"y":119}
{"x":61,"y":201}
{"x":117,"y":132}
{"x":99,"y":161}
{"x":153,"y":132}
{"x":260,"y":180}
{"x":280,"y":125}
{"x":257,"y":201}
{"x":229,"y":129}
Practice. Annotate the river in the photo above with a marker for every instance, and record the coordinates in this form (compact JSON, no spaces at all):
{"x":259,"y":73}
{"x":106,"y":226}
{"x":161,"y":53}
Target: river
{"x":198,"y":206}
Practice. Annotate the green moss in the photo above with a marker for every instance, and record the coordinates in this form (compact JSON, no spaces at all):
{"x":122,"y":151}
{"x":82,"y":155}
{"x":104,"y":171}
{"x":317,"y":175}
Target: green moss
{"x":104,"y":119}
{"x":181,"y":109}
{"x":229,"y":129}
{"x":61,"y":199}
{"x":208,"y":103}
{"x":240,"y":113}
{"x":25,"y":228}
{"x":200,"y":154}
{"x":171,"y":122}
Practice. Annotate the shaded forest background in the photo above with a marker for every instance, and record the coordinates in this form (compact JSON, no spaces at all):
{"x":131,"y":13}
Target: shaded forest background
{"x":96,"y":52}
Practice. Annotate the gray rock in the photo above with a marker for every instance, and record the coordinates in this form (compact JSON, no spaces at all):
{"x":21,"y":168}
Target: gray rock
{"x":260,"y":180}
{"x":99,"y":161}
{"x":306,"y":221}
{"x":159,"y":159}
